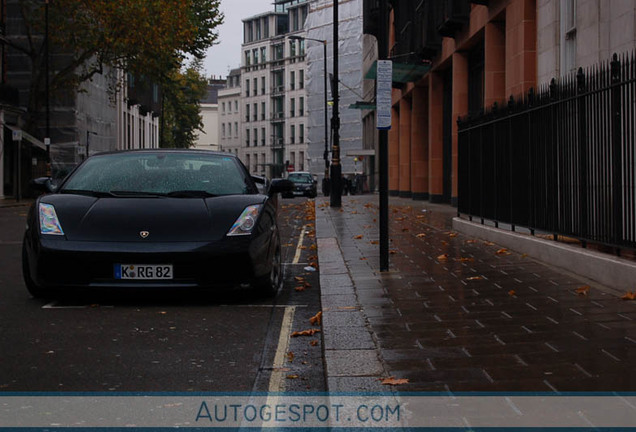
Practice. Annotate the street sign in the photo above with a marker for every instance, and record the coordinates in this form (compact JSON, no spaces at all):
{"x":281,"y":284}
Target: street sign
{"x":291,"y":168}
{"x":17,"y":135}
{"x":47,"y":141}
{"x":383,"y":95}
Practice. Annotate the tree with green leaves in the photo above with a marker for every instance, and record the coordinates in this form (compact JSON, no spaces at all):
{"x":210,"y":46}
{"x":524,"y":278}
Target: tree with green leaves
{"x":181,"y":109}
{"x":144,"y":37}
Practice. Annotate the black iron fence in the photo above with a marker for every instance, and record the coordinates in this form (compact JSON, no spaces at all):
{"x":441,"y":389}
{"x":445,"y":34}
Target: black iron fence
{"x":559,"y":160}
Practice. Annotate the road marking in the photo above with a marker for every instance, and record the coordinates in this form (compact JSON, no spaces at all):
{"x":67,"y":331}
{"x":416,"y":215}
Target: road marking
{"x":54,"y":305}
{"x":300,"y":244}
{"x":277,"y":381}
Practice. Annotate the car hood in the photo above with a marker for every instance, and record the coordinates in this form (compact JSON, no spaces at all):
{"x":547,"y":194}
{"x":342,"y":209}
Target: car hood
{"x":85,"y":218}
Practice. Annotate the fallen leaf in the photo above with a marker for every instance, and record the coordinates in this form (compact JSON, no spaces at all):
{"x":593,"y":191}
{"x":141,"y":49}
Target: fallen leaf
{"x":292,"y":376}
{"x":444,"y":243}
{"x":316,"y":319}
{"x":466,"y":259}
{"x":474,"y":278}
{"x":502,"y":251}
{"x":512,"y":293}
{"x":363,"y":258}
{"x":300,"y":279}
{"x":583,"y":290}
{"x":358,"y":237}
{"x":629,"y":296}
{"x":300,"y":288}
{"x":163,"y":313}
{"x":470,"y":241}
{"x":309,"y":332}
{"x":393,"y":252}
{"x":421,"y":235}
{"x":442,"y":257}
{"x":374,"y":242}
{"x":452,"y":235}
{"x":290,"y":356}
{"x":313,"y":247}
{"x":394,"y":381}
{"x":313,"y":343}
{"x":405,"y":229}
{"x":524,"y":255}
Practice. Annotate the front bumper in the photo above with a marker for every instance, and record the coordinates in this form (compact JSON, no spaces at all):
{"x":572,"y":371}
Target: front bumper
{"x":58,"y":263}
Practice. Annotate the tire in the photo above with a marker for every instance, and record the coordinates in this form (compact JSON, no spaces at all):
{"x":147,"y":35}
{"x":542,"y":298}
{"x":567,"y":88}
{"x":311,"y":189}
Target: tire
{"x":270,"y":284}
{"x":34,"y":289}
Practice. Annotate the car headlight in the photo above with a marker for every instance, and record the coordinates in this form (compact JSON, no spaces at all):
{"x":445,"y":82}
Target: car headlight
{"x":246,"y":221}
{"x":49,"y":223}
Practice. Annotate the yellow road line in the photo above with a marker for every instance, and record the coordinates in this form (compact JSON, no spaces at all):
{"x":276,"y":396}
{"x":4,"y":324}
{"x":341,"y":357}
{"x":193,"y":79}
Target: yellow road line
{"x":300,"y":243}
{"x":277,"y":380}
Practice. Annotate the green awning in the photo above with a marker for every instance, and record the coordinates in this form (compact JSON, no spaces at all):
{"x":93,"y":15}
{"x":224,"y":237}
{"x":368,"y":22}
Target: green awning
{"x":402,"y":72}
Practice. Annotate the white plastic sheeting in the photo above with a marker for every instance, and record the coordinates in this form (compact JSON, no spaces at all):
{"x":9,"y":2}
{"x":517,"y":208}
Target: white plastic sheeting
{"x":319,"y":26}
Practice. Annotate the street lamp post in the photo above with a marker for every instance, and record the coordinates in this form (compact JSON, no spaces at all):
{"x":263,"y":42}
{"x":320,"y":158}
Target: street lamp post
{"x":335,"y":200}
{"x":324,"y":46}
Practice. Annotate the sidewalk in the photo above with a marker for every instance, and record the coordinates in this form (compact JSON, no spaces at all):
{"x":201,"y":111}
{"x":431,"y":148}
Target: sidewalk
{"x":456,"y":313}
{"x":11,"y":202}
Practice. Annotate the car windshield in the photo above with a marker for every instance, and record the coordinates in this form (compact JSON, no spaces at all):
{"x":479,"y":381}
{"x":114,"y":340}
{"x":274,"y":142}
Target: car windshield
{"x":185,"y":174}
{"x":300,"y":178}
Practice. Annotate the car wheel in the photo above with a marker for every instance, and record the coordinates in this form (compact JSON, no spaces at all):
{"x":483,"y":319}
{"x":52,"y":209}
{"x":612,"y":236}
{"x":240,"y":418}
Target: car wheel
{"x":270,"y":285}
{"x":34,"y":289}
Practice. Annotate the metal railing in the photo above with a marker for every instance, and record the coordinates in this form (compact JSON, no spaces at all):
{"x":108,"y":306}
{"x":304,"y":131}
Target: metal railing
{"x":561,"y":160}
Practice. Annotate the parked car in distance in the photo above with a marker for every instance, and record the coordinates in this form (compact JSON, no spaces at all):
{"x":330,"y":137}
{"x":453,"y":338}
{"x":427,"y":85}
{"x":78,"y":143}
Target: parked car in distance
{"x":152,"y":219}
{"x":304,"y":185}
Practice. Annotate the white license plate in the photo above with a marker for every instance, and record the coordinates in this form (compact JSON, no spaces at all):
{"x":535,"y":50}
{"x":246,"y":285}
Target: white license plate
{"x":143,"y":271}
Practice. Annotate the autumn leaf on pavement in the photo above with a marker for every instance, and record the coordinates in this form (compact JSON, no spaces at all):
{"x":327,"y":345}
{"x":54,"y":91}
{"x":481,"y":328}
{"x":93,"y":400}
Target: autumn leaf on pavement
{"x":474,"y":278}
{"x":393,"y":251}
{"x":316,"y":319}
{"x":629,"y":296}
{"x":442,"y":257}
{"x":363,"y":258}
{"x":502,"y":251}
{"x":358,"y":237}
{"x":466,"y":259}
{"x":470,"y":241}
{"x":300,"y":288}
{"x":290,"y":356}
{"x":292,"y":377}
{"x":452,"y":234}
{"x":489,"y":243}
{"x":421,"y":235}
{"x":374,"y":242}
{"x":511,"y":293}
{"x":583,"y":290}
{"x":394,"y":381}
{"x":405,"y":229}
{"x":300,"y":279}
{"x":309,"y":332}
{"x":313,"y":343}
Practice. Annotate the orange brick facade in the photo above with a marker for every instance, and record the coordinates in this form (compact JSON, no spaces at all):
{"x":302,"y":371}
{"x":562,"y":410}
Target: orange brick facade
{"x":496,"y":50}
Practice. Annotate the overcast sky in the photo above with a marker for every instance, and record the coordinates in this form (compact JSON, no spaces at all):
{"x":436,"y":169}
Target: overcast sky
{"x":227,"y":54}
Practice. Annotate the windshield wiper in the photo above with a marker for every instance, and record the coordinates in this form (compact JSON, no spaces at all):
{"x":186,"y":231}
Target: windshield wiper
{"x":121,"y":193}
{"x":98,"y":194}
{"x":190,"y":194}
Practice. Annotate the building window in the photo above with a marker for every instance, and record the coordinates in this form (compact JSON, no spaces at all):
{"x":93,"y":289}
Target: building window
{"x":255,"y":162}
{"x":301,"y":161}
{"x":263,"y":162}
{"x":258,"y":29}
{"x":247,"y":137}
{"x":301,"y":106}
{"x":301,"y":133}
{"x":292,"y":107}
{"x":255,"y":86}
{"x":255,"y":55}
{"x":263,"y":139}
{"x":292,"y":134}
{"x":255,"y":112}
{"x":247,"y":87}
{"x":236,"y":129}
{"x":292,"y":158}
{"x":292,"y":48}
{"x":301,"y":79}
{"x":255,"y":137}
{"x":247,"y":58}
{"x":247,"y":112}
{"x":263,"y":54}
{"x":223,"y":108}
{"x":263,"y":110}
{"x":223,"y":130}
{"x":568,"y":30}
{"x":262,"y":85}
{"x":292,"y":80}
{"x":247,"y":162}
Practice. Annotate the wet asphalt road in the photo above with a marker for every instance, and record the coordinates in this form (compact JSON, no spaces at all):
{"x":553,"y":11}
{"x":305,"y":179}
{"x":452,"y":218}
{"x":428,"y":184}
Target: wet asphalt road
{"x":194,"y":342}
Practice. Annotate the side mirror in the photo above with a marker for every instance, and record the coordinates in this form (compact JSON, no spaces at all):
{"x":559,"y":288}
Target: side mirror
{"x":280,"y":186}
{"x":43,"y":184}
